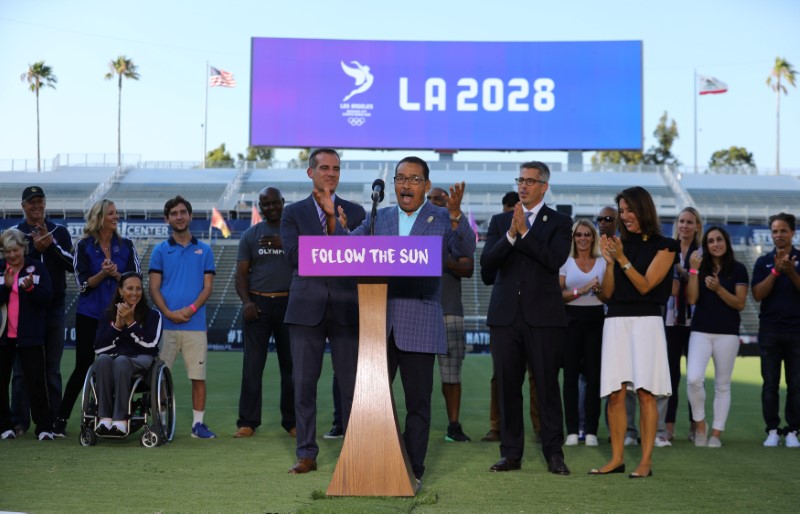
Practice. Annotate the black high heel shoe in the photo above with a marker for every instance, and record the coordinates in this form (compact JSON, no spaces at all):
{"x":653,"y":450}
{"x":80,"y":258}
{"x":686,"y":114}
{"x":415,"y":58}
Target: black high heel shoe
{"x":618,"y":469}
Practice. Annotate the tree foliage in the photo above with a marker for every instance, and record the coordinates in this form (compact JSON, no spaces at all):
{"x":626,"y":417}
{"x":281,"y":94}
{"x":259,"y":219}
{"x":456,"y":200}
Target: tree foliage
{"x":261,"y":156}
{"x":781,"y":71}
{"x":219,"y":157}
{"x":733,"y":157}
{"x":666,"y":133}
{"x":39,"y":75}
{"x":123,"y":68}
{"x":617,"y":157}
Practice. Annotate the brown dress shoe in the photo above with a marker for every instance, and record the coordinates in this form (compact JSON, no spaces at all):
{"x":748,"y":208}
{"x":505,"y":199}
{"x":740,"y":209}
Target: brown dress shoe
{"x":244,"y":432}
{"x":303,"y":466}
{"x":293,"y":433}
{"x":491,"y":436}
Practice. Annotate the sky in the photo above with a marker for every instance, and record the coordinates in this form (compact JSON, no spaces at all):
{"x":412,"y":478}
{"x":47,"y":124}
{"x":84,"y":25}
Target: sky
{"x":735,"y":41}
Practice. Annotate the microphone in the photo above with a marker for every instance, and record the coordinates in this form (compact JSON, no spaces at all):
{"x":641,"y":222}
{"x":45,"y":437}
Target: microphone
{"x":377,"y":190}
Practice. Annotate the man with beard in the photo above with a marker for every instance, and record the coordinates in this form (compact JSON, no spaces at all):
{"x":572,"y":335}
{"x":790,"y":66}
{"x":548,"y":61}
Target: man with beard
{"x":263,"y":276}
{"x":181,"y":279}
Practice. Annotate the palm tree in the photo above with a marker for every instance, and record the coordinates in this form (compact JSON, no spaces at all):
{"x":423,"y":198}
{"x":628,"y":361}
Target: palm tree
{"x":122,"y":67}
{"x":38,"y":75}
{"x":781,"y":70}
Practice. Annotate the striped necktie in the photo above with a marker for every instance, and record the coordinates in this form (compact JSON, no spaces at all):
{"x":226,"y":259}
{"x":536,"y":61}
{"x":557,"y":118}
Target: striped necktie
{"x":529,"y":218}
{"x":324,"y":221}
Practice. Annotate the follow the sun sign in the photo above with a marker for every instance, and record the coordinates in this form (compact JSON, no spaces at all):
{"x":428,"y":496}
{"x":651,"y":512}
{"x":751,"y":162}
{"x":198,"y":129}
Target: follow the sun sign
{"x":370,"y":256}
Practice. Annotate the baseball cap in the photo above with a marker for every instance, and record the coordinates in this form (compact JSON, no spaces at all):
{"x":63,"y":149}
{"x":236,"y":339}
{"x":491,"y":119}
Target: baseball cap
{"x":32,"y":192}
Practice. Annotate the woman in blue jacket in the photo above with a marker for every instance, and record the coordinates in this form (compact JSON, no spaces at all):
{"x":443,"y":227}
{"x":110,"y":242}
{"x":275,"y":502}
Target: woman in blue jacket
{"x":25,"y":294}
{"x":101,"y":256}
{"x":126,"y":344}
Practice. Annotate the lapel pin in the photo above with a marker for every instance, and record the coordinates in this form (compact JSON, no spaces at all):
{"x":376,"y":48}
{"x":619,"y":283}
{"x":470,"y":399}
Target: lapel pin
{"x":430,"y":218}
{"x":544,"y":218}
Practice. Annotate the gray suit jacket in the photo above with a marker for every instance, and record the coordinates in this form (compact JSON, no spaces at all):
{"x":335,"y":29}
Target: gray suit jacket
{"x":414,"y":309}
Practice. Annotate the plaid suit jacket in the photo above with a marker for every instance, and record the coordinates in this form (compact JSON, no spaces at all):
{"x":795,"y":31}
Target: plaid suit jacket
{"x":414,"y":307}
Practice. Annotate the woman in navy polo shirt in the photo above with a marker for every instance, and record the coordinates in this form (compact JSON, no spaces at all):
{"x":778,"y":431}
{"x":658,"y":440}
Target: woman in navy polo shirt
{"x":718,"y":289}
{"x":101,"y":257}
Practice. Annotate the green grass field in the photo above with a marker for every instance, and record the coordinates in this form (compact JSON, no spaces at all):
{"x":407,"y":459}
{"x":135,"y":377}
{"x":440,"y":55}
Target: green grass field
{"x":249,"y":475}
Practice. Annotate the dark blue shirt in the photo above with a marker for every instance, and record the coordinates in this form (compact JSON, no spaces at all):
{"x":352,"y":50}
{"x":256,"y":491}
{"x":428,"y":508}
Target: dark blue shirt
{"x":57,"y":258}
{"x":711,"y":314}
{"x":780,"y":310}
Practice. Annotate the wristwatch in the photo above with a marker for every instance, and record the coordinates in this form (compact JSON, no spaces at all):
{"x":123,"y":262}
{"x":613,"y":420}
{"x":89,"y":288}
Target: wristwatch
{"x":457,"y":219}
{"x":626,"y":267}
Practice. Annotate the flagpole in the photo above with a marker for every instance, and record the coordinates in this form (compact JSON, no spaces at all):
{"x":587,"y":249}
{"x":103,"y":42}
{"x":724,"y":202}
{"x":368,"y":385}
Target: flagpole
{"x":205,"y":121}
{"x":695,"y":120}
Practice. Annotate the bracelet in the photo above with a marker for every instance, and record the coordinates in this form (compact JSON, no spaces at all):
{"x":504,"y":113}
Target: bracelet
{"x":457,"y":219}
{"x":28,"y":290}
{"x":775,"y":272}
{"x":693,"y":271}
{"x":191,"y":306}
{"x":575,"y":292}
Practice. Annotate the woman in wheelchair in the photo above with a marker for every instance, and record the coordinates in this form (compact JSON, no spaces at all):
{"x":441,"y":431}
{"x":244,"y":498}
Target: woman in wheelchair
{"x":126,"y":344}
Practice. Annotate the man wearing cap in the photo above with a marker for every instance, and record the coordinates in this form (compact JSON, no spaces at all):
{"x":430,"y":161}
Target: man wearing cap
{"x":52,"y":245}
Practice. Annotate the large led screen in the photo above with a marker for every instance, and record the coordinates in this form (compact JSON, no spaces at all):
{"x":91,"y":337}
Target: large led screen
{"x":446,"y":95}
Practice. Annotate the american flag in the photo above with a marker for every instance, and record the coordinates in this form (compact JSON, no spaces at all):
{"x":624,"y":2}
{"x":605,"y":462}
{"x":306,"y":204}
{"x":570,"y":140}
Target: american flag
{"x":221,"y":78}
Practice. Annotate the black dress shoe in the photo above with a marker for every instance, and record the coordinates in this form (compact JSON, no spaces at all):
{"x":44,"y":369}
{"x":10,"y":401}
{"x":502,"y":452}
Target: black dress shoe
{"x":557,"y":465}
{"x":506,"y":465}
{"x":618,"y":469}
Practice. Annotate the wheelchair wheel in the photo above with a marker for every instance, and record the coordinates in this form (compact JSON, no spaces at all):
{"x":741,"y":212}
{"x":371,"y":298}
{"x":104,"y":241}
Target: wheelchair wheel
{"x":87,"y":437}
{"x":150,"y":438}
{"x":163,"y":403}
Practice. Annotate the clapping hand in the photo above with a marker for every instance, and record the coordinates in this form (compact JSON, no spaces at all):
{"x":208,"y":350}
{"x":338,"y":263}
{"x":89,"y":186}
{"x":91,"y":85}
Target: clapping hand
{"x":42,"y":239}
{"x":124,"y":315}
{"x":696,"y":259}
{"x":712,"y":282}
{"x":27,"y":283}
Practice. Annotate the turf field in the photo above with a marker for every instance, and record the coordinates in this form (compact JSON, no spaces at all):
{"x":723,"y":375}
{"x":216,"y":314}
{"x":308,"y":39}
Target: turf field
{"x":249,"y":475}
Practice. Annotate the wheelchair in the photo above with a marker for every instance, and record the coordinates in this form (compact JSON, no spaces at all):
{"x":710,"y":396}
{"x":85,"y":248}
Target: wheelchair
{"x":151,"y":405}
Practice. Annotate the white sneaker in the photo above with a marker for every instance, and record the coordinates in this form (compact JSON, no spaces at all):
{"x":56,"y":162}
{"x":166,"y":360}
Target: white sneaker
{"x":8,"y":434}
{"x":631,"y":441}
{"x":791,"y":440}
{"x":772,"y":439}
{"x":572,"y":440}
{"x":591,"y":440}
{"x":45,"y":436}
{"x":714,"y":442}
{"x":662,"y":442}
{"x":701,"y":438}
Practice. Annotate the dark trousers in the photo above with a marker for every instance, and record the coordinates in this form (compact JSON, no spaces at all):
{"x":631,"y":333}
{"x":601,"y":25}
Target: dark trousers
{"x":337,"y":403}
{"x":677,"y":346}
{"x":776,"y":349}
{"x":256,"y":347}
{"x":513,"y":347}
{"x":85,"y":330}
{"x":416,"y":375}
{"x":582,"y":354}
{"x":33,"y":368}
{"x":53,"y":350}
{"x":308,"y":348}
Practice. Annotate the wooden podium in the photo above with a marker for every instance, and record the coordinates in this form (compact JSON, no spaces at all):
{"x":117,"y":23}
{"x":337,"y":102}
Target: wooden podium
{"x":373,"y":461}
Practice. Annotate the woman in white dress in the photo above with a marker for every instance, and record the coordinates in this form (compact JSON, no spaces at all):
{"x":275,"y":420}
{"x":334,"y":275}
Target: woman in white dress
{"x":634,"y":346}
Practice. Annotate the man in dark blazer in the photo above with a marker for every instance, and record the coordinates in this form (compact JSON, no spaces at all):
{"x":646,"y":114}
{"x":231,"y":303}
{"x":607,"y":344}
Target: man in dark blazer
{"x":527,"y":321}
{"x":319,"y":308}
{"x":414,"y":319}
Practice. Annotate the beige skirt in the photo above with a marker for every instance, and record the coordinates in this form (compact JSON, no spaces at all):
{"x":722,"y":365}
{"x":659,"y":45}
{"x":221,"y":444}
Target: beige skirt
{"x":635,"y":354}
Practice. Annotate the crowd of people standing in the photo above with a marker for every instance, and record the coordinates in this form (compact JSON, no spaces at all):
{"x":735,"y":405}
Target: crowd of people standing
{"x":616,"y":305}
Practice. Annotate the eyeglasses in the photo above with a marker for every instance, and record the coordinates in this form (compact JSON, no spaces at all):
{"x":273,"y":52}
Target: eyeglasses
{"x":415,"y":180}
{"x":528,"y":181}
{"x":607,"y":219}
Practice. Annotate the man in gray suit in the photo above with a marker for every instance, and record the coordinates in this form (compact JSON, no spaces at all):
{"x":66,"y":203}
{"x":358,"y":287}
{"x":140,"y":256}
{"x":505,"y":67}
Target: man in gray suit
{"x":319,"y":308}
{"x":414,"y":319}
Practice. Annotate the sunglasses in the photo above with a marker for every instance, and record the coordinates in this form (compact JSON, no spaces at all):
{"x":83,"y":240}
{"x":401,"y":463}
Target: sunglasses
{"x":607,"y":219}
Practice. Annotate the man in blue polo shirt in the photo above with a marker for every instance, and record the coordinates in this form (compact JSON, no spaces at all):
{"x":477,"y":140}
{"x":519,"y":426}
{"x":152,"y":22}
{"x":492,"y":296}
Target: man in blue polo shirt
{"x":181,"y":279}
